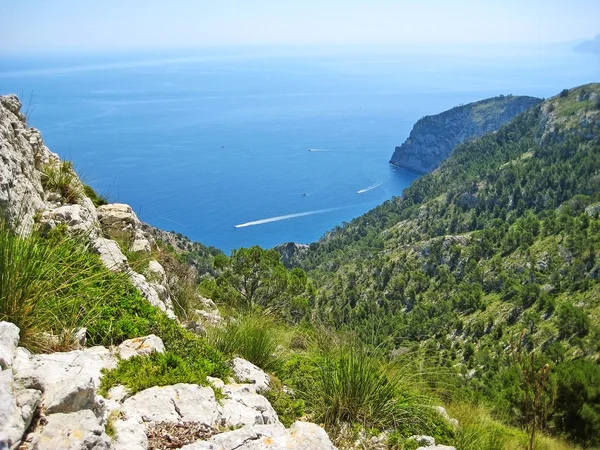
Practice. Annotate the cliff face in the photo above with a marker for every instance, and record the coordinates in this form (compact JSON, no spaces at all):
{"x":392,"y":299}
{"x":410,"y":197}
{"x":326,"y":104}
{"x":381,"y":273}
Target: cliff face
{"x":433,"y":137}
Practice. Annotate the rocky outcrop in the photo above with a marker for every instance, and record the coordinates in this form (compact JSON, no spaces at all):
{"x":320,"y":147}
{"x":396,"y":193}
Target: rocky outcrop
{"x":434,"y":137}
{"x":291,"y":253}
{"x":24,"y":165}
{"x":56,"y":397}
{"x":22,"y":154}
{"x":118,"y":221}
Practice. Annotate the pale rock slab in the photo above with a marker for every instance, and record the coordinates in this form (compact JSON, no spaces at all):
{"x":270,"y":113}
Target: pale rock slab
{"x":17,"y":407}
{"x":69,"y":380}
{"x":119,"y":221}
{"x":300,"y":436}
{"x":156,"y":272}
{"x":80,"y":218}
{"x":176,"y":404}
{"x":245,"y":371}
{"x":243,"y":406}
{"x":9,"y":341}
{"x":141,"y":346}
{"x":79,"y":430}
{"x":450,"y":420}
{"x":110,"y":254}
{"x":150,"y":294}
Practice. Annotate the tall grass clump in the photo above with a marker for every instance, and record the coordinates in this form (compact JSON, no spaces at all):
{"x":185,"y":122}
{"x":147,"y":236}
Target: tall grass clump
{"x":61,"y":179}
{"x":350,"y":383}
{"x":23,"y":281}
{"x":354,"y":386}
{"x":49,"y":286}
{"x":253,"y":336}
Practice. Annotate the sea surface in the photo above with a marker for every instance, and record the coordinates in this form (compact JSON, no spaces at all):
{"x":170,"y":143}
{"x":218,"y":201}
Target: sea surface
{"x":235,"y":148}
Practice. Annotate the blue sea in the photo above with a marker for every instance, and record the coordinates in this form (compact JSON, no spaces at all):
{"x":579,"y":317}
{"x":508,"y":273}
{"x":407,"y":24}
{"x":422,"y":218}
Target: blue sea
{"x":240,"y":147}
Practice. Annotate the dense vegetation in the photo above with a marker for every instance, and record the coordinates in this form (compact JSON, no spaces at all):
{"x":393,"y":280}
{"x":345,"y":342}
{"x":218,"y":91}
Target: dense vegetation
{"x":493,"y":255}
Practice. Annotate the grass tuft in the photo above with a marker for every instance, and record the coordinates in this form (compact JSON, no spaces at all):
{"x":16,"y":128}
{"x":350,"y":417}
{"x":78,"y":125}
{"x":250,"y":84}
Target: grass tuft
{"x":61,"y":179}
{"x":253,"y":336}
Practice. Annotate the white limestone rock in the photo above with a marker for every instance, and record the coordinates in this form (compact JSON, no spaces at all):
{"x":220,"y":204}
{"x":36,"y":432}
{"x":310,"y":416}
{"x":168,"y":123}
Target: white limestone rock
{"x":450,"y":420}
{"x":9,"y":341}
{"x":156,"y":272}
{"x":110,"y":254}
{"x":243,"y":406}
{"x":150,"y":294}
{"x":79,"y":430}
{"x":80,"y":218}
{"x":119,"y":221}
{"x":300,"y":436}
{"x":178,"y":403}
{"x":17,"y":407}
{"x":140,"y":243}
{"x":21,"y":154}
{"x":211,"y":318}
{"x":69,"y":380}
{"x":141,"y":346}
{"x":245,"y":371}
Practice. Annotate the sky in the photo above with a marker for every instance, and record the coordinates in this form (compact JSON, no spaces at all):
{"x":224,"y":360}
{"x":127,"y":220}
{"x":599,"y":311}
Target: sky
{"x":63,"y":26}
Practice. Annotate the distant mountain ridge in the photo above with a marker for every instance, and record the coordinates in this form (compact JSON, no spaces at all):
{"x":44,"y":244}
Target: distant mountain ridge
{"x":433,"y":137}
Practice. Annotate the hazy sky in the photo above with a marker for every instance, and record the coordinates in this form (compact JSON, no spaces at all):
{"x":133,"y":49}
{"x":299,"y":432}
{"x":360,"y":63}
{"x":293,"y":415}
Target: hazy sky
{"x":99,"y":25}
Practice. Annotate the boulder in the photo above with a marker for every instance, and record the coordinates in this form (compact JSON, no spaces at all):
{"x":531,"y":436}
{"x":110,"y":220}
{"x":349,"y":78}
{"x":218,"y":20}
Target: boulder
{"x":300,"y":436}
{"x":110,"y":254}
{"x":211,"y":318}
{"x":118,"y":221}
{"x":141,"y":346}
{"x":17,"y":407}
{"x":79,"y":218}
{"x":246,"y":372}
{"x":9,"y":341}
{"x":179,"y":403}
{"x":156,"y":272}
{"x":243,"y":406}
{"x":450,"y":420}
{"x":69,"y":380}
{"x":150,"y":294}
{"x":79,"y":430}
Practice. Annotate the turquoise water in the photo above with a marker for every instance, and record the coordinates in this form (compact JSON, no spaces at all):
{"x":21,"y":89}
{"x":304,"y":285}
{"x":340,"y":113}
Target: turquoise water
{"x":200,"y":143}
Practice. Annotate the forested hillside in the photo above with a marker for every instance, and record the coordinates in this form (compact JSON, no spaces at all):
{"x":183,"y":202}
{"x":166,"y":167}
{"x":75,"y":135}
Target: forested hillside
{"x":489,"y":266}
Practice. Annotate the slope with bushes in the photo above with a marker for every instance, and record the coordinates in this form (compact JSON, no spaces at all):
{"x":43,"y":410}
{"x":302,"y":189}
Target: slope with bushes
{"x":494,"y":252}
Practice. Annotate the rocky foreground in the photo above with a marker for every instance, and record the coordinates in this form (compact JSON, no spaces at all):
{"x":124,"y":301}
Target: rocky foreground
{"x":51,"y":401}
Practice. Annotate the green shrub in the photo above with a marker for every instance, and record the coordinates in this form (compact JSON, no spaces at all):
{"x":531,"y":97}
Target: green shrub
{"x":252,"y":336}
{"x":158,"y":369}
{"x":61,"y":179}
{"x":97,"y":200}
{"x":288,"y":407}
{"x":51,"y":286}
{"x":350,"y":383}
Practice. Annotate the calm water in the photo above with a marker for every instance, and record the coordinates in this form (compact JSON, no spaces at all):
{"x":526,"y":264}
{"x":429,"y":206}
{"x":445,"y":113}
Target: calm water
{"x":199,"y":143}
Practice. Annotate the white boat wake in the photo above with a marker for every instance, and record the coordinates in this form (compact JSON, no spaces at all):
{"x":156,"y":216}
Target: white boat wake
{"x":367,"y":189}
{"x":322,"y":150}
{"x":288,"y":216}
